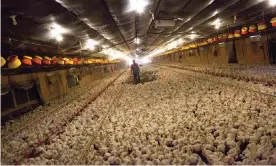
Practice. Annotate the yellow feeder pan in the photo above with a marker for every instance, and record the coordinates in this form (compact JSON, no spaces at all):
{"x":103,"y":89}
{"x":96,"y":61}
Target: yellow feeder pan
{"x":70,"y":62}
{"x":244,"y":30}
{"x":262,"y":26}
{"x":210,"y":40}
{"x":66,"y":61}
{"x":224,"y":36}
{"x":27,"y":57}
{"x":273,"y":22}
{"x":27,"y":60}
{"x":80,"y":62}
{"x":13,"y":61}
{"x":237,"y":33}
{"x":60,"y":62}
{"x":54,"y":60}
{"x":220,"y":36}
{"x":252,"y":28}
{"x":230,"y":36}
{"x":46,"y":60}
{"x":3,"y":61}
{"x":39,"y":57}
{"x":37,"y":60}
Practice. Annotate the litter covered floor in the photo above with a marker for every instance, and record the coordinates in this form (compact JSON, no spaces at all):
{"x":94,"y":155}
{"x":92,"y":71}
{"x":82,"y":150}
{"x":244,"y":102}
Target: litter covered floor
{"x":173,"y":116}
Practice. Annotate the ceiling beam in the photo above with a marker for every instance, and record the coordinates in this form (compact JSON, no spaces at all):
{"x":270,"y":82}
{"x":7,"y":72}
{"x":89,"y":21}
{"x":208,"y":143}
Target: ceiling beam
{"x":75,"y":15}
{"x":107,"y":8}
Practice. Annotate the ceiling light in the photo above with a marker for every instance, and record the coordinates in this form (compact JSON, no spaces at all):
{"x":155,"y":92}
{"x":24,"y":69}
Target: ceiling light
{"x":137,"y":41}
{"x":217,"y":26}
{"x":145,"y":60}
{"x":193,"y":36}
{"x":191,"y":28}
{"x":215,"y":13}
{"x":90,"y":44}
{"x":57,"y":31}
{"x":59,"y":38}
{"x":272,"y":2}
{"x":180,"y":41}
{"x":114,"y":54}
{"x":156,"y":52}
{"x":217,"y":21}
{"x":137,"y":5}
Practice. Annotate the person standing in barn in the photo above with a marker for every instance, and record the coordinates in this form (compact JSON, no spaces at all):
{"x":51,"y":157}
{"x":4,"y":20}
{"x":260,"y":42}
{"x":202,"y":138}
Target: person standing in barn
{"x":135,"y":71}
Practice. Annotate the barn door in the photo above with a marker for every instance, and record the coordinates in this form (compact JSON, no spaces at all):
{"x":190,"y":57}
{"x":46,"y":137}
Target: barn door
{"x":272,"y":51}
{"x":231,"y":52}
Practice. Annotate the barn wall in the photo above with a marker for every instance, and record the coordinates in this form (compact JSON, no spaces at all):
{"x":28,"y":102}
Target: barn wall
{"x":247,"y":52}
{"x":50,"y":85}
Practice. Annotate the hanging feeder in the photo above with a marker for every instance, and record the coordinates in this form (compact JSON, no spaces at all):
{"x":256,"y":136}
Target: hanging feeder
{"x":215,"y":39}
{"x":66,"y":61}
{"x":262,"y":26}
{"x":205,"y":42}
{"x":193,"y":45}
{"x":37,"y":60}
{"x":220,"y":37}
{"x":46,"y":60}
{"x":230,"y":35}
{"x":54,"y":60}
{"x":27,"y":60}
{"x":70,"y":62}
{"x":75,"y":60}
{"x":273,"y":22}
{"x":237,"y":33}
{"x":225,"y":36}
{"x":252,"y":28}
{"x":60,"y":62}
{"x":3,"y":61}
{"x":80,"y":62}
{"x":13,"y":61}
{"x":244,"y":30}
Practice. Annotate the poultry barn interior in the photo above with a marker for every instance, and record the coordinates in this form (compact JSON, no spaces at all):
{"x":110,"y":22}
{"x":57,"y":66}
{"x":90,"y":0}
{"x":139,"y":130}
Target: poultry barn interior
{"x":202,"y":90}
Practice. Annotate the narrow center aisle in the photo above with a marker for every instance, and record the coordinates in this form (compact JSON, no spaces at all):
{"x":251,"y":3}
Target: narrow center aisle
{"x":169,"y":119}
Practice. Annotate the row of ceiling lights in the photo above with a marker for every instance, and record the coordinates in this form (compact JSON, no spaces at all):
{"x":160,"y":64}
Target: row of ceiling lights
{"x":57,"y":31}
{"x":138,"y":6}
{"x":217,"y":24}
